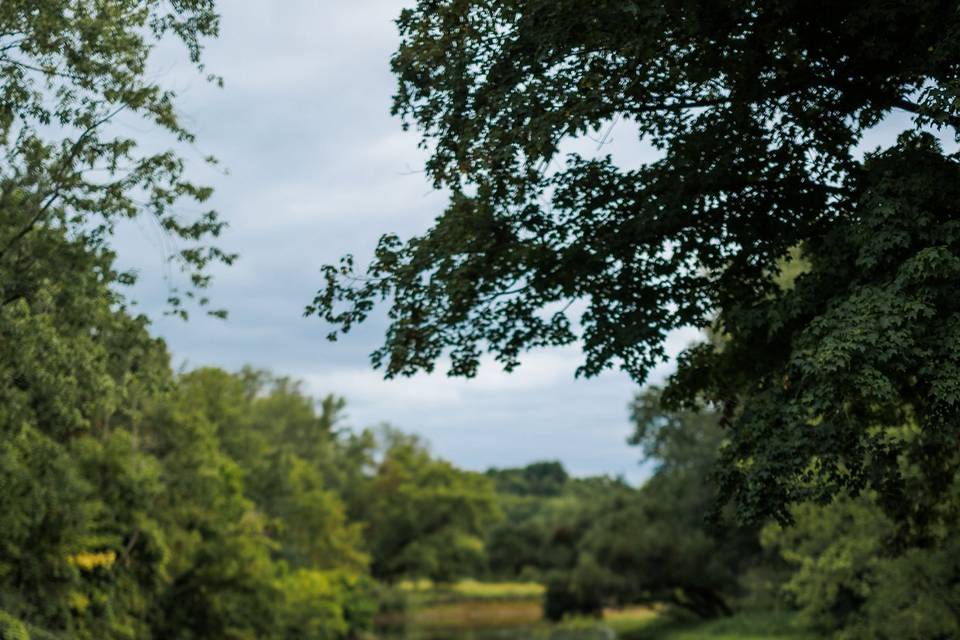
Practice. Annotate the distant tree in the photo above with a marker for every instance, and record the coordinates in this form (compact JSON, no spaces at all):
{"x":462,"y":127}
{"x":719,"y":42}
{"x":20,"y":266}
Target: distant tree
{"x":546,"y":478}
{"x":425,"y":517}
{"x":653,"y":545}
{"x":515,"y":546}
{"x":546,"y":513}
{"x":757,"y":110}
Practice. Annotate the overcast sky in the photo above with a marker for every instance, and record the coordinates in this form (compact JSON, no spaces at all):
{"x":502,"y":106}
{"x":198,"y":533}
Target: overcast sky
{"x":312,"y":167}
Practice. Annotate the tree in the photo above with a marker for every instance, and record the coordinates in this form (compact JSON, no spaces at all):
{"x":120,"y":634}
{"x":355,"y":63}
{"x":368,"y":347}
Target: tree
{"x":652,"y":545}
{"x":68,"y":70}
{"x":426,"y":518}
{"x":81,"y":551}
{"x":287,"y":453}
{"x":85,"y":552}
{"x":546,"y":512}
{"x":848,"y":581}
{"x":526,"y":496}
{"x":756,"y":109}
{"x":545,"y":478}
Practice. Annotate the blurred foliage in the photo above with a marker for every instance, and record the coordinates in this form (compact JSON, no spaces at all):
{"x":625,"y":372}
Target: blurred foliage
{"x":424,"y":516}
{"x":137,"y":503}
{"x":851,"y":581}
{"x":75,"y":79}
{"x":547,"y":478}
{"x":653,"y":544}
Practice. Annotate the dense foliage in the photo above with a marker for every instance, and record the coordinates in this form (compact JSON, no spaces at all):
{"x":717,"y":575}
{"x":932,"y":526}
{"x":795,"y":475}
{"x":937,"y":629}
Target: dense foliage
{"x":425,"y":517}
{"x":757,"y":109}
{"x":848,"y":578}
{"x":546,"y":512}
{"x":206,"y":505}
{"x":652,"y":545}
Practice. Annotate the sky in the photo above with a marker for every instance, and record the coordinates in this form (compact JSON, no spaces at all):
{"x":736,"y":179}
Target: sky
{"x":313,"y":166}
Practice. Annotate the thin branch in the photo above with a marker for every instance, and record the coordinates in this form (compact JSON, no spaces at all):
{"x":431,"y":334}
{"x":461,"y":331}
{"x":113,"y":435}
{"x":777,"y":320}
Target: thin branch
{"x":913,"y":107}
{"x":65,"y":161}
{"x":47,"y":72}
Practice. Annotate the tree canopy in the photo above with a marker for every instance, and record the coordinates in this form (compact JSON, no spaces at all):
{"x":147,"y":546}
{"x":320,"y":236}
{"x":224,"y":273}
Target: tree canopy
{"x":757,"y":110}
{"x":425,"y":517}
{"x":68,"y":71}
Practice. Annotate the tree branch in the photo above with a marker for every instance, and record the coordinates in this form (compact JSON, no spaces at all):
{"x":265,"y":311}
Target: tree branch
{"x":913,"y":107}
{"x":58,"y":177}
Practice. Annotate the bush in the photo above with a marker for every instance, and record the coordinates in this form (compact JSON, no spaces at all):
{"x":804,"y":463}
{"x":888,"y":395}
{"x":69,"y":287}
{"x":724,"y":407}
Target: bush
{"x":563,"y":598}
{"x":326,"y":605}
{"x":11,"y":628}
{"x":851,"y":583}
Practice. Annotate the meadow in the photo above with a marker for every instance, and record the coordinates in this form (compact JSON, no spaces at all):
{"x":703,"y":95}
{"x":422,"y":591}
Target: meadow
{"x":476,"y":610}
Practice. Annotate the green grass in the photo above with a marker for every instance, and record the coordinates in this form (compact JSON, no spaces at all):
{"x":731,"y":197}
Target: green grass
{"x":425,"y":591}
{"x":478,"y":614}
{"x":767,"y":625}
{"x":630,"y":619}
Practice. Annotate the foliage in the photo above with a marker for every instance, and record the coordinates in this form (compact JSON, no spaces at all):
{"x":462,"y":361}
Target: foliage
{"x":139,"y":503}
{"x":849,"y":581}
{"x":769,"y":625}
{"x":114,"y":502}
{"x":325,"y":605}
{"x":130,"y":507}
{"x":757,"y":109}
{"x":287,"y":454}
{"x":78,"y":374}
{"x":426,"y":518}
{"x":11,"y":628}
{"x":527,"y":496}
{"x":545,"y":510}
{"x":135,"y":503}
{"x":140,"y":523}
{"x":653,"y":545}
{"x":68,"y":71}
{"x":546,"y":478}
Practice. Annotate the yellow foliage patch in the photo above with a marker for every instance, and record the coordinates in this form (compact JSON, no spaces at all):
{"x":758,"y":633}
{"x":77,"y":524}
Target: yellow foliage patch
{"x":88,"y":561}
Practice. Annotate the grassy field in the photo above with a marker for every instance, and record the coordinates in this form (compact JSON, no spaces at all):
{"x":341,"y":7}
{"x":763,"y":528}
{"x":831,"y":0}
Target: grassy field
{"x":745,"y":626}
{"x":474,"y":590}
{"x":478,"y":614}
{"x":513,"y":610}
{"x":630,"y":619}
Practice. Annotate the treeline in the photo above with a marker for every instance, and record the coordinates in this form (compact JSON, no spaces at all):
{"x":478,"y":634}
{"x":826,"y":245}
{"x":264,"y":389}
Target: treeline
{"x":141,"y":503}
{"x":844,"y":568}
{"x":137,"y":503}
